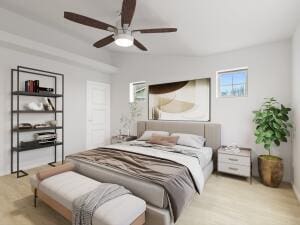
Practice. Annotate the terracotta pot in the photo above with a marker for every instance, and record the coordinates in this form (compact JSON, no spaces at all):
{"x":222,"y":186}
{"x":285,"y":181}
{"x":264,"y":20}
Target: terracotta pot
{"x":270,"y":170}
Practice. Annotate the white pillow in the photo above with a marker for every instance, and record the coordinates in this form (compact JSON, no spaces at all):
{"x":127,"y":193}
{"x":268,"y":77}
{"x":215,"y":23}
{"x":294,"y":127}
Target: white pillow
{"x":148,"y":134}
{"x":190,"y":140}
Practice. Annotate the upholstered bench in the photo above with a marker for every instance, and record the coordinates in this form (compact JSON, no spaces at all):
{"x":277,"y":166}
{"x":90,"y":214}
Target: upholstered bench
{"x":60,"y":190}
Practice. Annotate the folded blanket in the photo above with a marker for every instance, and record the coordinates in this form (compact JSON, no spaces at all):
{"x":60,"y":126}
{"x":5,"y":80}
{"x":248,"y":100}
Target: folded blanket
{"x":85,"y":206}
{"x":43,"y":174}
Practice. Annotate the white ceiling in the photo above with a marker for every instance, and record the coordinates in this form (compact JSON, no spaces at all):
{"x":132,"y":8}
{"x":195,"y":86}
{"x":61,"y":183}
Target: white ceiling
{"x":204,"y":26}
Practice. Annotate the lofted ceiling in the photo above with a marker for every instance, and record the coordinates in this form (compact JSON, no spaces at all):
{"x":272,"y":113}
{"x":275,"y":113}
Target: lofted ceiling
{"x":204,"y":26}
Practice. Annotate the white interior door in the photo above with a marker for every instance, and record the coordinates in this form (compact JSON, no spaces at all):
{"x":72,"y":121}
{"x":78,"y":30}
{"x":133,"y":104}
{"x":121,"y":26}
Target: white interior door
{"x":98,"y":114}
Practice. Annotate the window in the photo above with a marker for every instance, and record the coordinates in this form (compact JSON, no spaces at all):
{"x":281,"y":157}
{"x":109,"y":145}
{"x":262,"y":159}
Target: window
{"x":137,"y":91}
{"x":232,"y":83}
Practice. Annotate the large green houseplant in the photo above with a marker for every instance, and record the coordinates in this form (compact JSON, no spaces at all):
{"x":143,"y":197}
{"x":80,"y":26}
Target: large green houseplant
{"x":272,"y":128}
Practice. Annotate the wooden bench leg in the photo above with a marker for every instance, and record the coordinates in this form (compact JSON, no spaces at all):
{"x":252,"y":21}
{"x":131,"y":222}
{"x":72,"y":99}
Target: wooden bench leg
{"x":140,"y":220}
{"x":35,"y":197}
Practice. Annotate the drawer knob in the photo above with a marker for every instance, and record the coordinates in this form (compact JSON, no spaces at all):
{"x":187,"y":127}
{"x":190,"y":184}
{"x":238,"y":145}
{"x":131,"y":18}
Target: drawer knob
{"x":231,"y":168}
{"x":233,"y":159}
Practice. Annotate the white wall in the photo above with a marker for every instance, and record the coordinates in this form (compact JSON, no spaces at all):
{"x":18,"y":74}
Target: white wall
{"x":269,"y":76}
{"x":296,"y":109}
{"x":75,"y":105}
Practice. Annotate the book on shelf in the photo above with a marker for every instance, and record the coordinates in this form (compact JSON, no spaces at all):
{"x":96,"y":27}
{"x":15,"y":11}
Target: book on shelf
{"x":32,"y":86}
{"x":51,"y":104}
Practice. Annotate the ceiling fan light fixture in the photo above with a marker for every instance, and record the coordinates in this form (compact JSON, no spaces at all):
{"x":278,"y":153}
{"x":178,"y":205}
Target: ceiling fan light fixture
{"x":124,"y":40}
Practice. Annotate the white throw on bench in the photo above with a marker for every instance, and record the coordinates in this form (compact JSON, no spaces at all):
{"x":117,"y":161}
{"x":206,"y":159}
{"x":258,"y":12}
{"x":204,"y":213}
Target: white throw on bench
{"x":60,"y":191}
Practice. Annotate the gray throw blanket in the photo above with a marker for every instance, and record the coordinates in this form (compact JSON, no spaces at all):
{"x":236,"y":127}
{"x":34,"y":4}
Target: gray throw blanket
{"x":85,"y":206}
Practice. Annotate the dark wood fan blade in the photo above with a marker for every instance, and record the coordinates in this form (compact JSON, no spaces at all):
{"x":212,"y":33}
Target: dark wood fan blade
{"x":88,"y":21}
{"x":105,"y":41}
{"x":139,"y":45}
{"x":128,"y":9}
{"x":156,"y":30}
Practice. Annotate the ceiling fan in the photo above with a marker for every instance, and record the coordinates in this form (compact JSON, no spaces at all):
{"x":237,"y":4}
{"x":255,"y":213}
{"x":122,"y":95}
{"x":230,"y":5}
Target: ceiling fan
{"x":123,"y":36}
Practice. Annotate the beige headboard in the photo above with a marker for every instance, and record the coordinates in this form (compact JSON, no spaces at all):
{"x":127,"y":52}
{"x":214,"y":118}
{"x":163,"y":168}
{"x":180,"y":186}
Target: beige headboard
{"x":211,"y":131}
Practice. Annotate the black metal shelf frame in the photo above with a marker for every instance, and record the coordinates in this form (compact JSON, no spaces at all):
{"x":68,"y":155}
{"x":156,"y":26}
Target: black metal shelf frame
{"x":18,"y":149}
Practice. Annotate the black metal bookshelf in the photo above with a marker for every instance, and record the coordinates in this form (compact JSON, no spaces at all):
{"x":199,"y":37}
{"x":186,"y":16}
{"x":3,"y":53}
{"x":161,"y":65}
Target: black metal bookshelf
{"x":16,"y":147}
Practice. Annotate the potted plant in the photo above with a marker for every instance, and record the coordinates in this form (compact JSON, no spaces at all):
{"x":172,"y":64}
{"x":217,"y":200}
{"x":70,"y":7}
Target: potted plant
{"x":272,"y":128}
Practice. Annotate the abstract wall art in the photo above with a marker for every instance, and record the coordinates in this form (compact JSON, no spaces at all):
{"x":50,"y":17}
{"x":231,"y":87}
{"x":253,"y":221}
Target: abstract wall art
{"x":184,"y":100}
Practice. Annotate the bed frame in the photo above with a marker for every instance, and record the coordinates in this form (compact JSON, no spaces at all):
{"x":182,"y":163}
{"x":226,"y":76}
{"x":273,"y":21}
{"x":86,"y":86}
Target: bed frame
{"x":212,"y":133}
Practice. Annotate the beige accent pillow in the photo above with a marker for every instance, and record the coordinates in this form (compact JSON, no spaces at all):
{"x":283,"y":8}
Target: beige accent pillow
{"x":163,"y":140}
{"x":43,"y":174}
{"x":149,"y":133}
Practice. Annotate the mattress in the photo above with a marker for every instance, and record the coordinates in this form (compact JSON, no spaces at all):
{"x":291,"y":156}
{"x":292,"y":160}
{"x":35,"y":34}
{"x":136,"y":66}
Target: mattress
{"x":153,"y":194}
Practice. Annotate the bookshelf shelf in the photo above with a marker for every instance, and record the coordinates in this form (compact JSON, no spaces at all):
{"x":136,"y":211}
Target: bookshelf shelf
{"x":37,"y":94}
{"x":37,"y":129}
{"x":31,"y":111}
{"x":16,"y":113}
{"x":39,"y":146}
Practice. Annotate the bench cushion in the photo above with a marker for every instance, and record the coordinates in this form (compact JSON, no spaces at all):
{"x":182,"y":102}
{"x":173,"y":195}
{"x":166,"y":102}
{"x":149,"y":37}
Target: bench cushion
{"x":66,"y":187}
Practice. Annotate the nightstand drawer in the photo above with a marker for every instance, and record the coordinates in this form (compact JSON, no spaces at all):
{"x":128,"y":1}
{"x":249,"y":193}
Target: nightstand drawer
{"x":234,"y":169}
{"x":234,"y":159}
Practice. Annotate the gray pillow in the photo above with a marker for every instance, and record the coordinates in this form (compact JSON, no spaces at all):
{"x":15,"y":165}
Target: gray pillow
{"x":191,"y":140}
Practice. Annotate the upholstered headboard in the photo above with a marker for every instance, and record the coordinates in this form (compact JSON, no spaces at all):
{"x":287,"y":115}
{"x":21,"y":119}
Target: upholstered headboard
{"x":211,"y":131}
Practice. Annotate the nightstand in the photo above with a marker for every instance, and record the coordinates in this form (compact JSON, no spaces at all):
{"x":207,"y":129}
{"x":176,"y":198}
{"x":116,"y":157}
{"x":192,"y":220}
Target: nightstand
{"x":239,"y":164}
{"x":122,"y":138}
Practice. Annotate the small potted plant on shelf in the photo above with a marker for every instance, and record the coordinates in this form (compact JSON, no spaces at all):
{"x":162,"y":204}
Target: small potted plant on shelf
{"x":272,"y":128}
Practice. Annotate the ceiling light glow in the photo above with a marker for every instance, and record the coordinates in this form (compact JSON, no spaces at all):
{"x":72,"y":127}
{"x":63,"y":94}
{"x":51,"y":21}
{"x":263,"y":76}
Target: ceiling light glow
{"x":124,"y":40}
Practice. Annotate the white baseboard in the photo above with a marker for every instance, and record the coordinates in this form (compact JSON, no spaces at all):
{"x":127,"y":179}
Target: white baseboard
{"x":297,"y":192}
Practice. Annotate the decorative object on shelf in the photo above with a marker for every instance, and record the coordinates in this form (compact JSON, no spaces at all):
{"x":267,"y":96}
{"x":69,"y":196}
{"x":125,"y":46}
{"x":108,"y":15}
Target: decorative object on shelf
{"x":272,"y":128}
{"x":34,"y":106}
{"x":135,"y":112}
{"x":48,"y":106}
{"x":41,"y":125}
{"x":232,"y":148}
{"x":45,"y":137}
{"x":122,"y":138}
{"x":52,"y":123}
{"x":46,"y":90}
{"x":235,"y":163}
{"x":23,"y":126}
{"x":184,"y":100}
{"x":51,"y":104}
{"x":32,"y":89}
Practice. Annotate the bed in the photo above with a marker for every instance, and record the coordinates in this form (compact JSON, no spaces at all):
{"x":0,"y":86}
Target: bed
{"x":158,"y":205}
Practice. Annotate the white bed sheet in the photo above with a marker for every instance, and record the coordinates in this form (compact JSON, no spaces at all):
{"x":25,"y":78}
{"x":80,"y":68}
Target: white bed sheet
{"x":204,"y":154}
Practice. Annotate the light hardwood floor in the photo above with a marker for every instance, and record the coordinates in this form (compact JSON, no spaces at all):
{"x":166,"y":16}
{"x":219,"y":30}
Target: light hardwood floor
{"x":225,"y":201}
